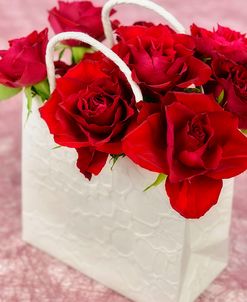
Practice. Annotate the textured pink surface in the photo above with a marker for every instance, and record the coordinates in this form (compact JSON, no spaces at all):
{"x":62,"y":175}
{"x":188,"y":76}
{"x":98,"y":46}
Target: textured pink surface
{"x":26,"y":274}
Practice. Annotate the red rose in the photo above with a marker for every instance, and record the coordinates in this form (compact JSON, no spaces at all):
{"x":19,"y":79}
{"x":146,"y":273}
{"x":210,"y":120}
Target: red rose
{"x":23,"y":64}
{"x":160,"y":59}
{"x":90,"y":110}
{"x":232,"y":79}
{"x":224,"y":41}
{"x":81,"y":16}
{"x":195,"y":142}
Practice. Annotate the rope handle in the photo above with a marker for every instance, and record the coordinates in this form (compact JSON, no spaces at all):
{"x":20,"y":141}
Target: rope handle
{"x":97,"y":45}
{"x":145,"y":3}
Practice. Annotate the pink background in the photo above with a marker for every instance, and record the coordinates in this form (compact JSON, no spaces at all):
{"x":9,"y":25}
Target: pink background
{"x":26,"y":274}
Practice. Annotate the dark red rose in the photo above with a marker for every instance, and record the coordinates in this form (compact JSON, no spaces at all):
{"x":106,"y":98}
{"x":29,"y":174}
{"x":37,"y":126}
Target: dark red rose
{"x":23,"y":64}
{"x":61,"y":67}
{"x":224,"y":41}
{"x":160,"y":59}
{"x":81,"y":16}
{"x":198,"y":144}
{"x":90,"y":110}
{"x":231,"y":78}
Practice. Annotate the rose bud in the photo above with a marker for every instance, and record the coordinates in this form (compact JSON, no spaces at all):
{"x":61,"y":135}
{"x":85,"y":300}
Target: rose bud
{"x":193,"y":140}
{"x":81,"y":16}
{"x":23,"y":64}
{"x":90,"y":110}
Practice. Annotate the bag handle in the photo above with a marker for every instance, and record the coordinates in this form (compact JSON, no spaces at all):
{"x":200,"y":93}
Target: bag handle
{"x":145,"y":3}
{"x":97,"y":45}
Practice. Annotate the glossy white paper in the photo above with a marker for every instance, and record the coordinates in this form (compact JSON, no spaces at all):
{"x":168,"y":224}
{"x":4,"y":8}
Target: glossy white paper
{"x":110,"y":230}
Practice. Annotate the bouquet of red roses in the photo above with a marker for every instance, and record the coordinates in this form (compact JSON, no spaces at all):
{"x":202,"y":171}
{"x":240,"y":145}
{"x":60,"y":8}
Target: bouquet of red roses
{"x":181,"y":113}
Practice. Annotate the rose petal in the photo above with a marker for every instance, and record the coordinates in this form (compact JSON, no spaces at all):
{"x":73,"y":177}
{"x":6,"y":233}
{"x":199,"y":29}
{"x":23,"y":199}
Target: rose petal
{"x":194,"y":197}
{"x":66,"y":133}
{"x":146,"y":144}
{"x":196,"y":102}
{"x":198,"y":73}
{"x":90,"y":161}
{"x":234,"y":157}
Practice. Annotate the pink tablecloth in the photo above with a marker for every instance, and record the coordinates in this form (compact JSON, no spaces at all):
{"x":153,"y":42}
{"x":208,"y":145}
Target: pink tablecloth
{"x":26,"y":274}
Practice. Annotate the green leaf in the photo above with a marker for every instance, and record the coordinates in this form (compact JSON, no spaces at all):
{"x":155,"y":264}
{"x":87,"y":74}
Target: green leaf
{"x":220,"y":98}
{"x":7,"y":92}
{"x":79,"y":52}
{"x":29,"y":96}
{"x":161,"y":178}
{"x":42,"y":89}
{"x":56,"y":147}
{"x":244,"y":131}
{"x":114,"y":159}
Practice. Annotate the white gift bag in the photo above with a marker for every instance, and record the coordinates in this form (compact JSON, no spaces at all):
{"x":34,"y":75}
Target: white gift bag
{"x":109,"y":229}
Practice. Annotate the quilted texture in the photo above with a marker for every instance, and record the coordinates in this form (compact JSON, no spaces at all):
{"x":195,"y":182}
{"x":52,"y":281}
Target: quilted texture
{"x":112,"y":231}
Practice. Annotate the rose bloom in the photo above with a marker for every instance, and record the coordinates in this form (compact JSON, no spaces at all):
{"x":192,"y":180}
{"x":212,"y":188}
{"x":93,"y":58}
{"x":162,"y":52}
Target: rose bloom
{"x":224,"y":41}
{"x":91,"y":110}
{"x":193,"y":140}
{"x":160,"y":59}
{"x":23,"y":64}
{"x":81,"y":16}
{"x":231,"y":78}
